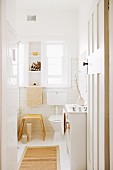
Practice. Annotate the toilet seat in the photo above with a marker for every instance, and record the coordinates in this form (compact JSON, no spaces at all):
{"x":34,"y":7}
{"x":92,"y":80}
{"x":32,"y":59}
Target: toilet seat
{"x":55,"y":118}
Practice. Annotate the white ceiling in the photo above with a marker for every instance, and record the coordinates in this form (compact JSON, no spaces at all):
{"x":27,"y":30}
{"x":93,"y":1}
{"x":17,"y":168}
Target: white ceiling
{"x":52,"y":4}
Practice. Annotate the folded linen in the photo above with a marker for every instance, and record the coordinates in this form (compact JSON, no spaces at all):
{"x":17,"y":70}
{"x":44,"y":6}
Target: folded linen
{"x":34,"y":96}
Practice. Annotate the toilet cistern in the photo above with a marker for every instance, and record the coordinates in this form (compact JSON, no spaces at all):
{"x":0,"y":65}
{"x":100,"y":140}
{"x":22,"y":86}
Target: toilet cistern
{"x":56,"y":97}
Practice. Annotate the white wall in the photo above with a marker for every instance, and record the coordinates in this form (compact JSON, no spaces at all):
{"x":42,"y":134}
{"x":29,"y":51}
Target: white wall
{"x":56,"y":23}
{"x":83,"y":34}
{"x":50,"y":24}
{"x":83,"y":44}
{"x":11,"y":12}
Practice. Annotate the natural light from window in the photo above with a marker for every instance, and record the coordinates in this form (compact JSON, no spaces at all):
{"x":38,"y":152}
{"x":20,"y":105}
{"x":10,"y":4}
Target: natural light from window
{"x":56,"y":63}
{"x":55,"y":57}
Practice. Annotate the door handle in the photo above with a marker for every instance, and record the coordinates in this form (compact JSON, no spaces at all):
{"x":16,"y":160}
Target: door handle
{"x":84,"y":63}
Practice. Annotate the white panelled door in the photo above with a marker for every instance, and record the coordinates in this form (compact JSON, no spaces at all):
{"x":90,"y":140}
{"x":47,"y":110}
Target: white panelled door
{"x":98,"y":87}
{"x":10,"y":100}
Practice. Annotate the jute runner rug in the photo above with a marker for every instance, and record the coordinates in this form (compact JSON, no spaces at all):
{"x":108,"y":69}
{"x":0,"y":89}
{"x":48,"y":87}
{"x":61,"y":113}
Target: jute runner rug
{"x":40,"y":158}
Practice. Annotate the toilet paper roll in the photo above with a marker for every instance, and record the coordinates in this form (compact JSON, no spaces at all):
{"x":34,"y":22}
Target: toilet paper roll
{"x":24,"y":138}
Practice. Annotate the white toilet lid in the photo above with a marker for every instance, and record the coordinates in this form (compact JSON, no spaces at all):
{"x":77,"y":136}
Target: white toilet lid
{"x":55,"y":118}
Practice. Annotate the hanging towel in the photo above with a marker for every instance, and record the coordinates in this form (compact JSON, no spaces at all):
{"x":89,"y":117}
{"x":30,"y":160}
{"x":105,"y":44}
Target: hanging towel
{"x":34,"y":96}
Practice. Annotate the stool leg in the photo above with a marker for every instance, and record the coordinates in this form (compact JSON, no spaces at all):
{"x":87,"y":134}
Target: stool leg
{"x":21,"y":129}
{"x":43,"y":129}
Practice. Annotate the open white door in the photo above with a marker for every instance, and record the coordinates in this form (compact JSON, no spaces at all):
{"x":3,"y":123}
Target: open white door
{"x":98,"y":87}
{"x":8,"y":86}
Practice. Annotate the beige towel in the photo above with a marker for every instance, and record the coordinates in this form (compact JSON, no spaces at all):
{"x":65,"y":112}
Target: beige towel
{"x":34,"y":96}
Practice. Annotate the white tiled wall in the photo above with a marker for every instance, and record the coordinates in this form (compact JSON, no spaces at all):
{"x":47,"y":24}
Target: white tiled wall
{"x":44,"y":109}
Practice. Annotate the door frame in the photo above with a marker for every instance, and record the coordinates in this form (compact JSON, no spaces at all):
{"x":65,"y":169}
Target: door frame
{"x":111,"y":80}
{"x":106,"y":89}
{"x":0,"y":77}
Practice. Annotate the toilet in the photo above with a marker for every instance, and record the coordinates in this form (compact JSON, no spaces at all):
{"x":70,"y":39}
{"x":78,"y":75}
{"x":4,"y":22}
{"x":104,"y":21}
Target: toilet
{"x":56,"y":97}
{"x":55,"y":121}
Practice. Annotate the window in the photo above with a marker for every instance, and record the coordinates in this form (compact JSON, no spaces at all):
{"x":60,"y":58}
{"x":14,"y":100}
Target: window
{"x":23,"y":64}
{"x":12,"y":66}
{"x":55,"y":64}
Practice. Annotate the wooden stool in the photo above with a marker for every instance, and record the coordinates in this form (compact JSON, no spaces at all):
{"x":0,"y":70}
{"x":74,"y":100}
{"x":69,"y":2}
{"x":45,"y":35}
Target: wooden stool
{"x":28,"y":117}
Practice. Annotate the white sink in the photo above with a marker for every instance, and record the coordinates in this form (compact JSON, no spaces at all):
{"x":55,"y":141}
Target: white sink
{"x":74,"y":108}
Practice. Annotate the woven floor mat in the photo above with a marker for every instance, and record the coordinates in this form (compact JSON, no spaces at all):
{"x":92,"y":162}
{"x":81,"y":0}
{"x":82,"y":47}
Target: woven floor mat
{"x":40,"y":158}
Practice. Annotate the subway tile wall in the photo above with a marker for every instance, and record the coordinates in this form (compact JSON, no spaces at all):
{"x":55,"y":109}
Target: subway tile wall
{"x":44,"y":109}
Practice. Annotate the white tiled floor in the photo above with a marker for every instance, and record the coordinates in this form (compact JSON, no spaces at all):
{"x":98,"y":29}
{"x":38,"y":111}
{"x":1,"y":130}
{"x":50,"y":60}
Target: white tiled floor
{"x":59,"y":140}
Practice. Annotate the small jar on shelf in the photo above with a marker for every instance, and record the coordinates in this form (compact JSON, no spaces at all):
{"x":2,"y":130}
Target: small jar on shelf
{"x":35,"y":53}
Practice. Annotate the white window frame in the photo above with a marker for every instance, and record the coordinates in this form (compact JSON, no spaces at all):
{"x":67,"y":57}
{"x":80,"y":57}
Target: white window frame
{"x":66,"y":65}
{"x":23,"y":65}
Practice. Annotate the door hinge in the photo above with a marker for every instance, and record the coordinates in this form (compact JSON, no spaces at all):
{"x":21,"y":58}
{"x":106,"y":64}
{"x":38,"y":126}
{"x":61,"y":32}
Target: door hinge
{"x":108,"y":4}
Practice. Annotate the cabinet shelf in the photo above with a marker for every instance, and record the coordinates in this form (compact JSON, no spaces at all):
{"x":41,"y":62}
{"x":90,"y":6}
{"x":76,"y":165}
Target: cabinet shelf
{"x":34,"y":71}
{"x":35,"y":57}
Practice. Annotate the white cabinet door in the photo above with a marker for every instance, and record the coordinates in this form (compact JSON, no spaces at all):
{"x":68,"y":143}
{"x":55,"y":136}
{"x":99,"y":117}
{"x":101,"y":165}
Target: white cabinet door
{"x":78,"y":141}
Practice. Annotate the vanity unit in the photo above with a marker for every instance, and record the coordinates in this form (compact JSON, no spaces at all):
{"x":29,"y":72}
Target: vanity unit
{"x":76,"y":135}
